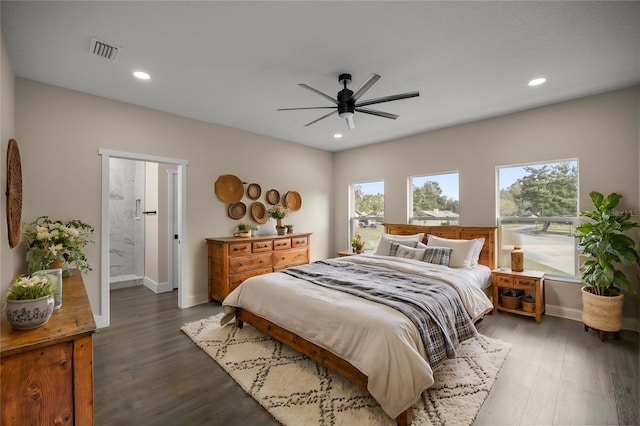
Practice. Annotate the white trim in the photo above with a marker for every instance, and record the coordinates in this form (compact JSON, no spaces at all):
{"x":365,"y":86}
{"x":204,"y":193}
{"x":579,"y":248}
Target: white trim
{"x":171,"y":174}
{"x":103,"y":320}
{"x":576,"y":315}
{"x":156,"y":287}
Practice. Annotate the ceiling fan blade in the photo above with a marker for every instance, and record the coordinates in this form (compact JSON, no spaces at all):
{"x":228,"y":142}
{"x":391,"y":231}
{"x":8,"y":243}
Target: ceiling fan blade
{"x":378,"y":113}
{"x":365,"y":86}
{"x":321,"y":118}
{"x":388,"y":99}
{"x":318,"y":92}
{"x":293,"y":109}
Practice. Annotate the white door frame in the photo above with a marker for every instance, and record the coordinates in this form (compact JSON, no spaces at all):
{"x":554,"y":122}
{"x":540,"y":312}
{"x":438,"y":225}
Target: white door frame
{"x":171,"y":175}
{"x":103,"y":319}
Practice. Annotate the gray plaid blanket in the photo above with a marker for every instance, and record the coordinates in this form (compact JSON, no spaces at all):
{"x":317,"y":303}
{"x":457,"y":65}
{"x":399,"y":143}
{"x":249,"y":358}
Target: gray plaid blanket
{"x":434,"y":307}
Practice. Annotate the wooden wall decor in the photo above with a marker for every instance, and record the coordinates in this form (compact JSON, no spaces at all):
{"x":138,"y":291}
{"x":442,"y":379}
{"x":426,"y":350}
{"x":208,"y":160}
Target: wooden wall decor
{"x":14,"y":193}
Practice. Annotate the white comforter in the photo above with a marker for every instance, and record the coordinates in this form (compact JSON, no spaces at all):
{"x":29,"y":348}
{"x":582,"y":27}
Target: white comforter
{"x":376,"y":339}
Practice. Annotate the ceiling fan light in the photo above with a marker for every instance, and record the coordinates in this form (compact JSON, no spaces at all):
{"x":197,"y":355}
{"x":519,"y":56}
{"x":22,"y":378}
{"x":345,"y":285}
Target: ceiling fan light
{"x":349,"y":116}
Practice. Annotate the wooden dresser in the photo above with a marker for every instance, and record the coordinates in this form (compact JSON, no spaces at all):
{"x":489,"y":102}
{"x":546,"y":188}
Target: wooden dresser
{"x":232,"y":259}
{"x":47,"y":372}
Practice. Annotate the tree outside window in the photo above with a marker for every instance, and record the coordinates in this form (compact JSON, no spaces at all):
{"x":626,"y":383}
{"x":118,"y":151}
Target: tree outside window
{"x":538,"y":210}
{"x":435,"y":199}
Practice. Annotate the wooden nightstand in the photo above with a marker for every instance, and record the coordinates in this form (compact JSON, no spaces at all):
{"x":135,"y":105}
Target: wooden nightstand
{"x":343,"y":253}
{"x":532,"y":282}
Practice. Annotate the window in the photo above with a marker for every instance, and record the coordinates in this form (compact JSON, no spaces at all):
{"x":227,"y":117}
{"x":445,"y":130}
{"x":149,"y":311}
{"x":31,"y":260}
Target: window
{"x":434,"y":199}
{"x":538,"y":211}
{"x":367,"y":212}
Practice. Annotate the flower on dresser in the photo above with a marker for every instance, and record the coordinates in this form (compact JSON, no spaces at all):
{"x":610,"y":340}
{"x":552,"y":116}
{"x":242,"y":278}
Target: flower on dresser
{"x":278,"y":211}
{"x":51,"y":241}
{"x":32,"y":287}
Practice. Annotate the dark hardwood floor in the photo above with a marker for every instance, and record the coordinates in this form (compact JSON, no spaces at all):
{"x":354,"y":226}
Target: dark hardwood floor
{"x":147,"y":372}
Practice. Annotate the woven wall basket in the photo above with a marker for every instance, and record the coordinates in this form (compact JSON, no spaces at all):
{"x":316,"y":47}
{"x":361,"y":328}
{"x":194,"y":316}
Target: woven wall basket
{"x":602,"y":313}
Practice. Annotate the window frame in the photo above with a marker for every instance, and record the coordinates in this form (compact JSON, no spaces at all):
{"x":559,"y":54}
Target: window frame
{"x":355,"y":219}
{"x":572,"y":221}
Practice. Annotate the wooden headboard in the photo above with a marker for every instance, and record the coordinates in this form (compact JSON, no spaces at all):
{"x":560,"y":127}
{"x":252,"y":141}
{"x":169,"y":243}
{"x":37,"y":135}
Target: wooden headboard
{"x":488,"y":253}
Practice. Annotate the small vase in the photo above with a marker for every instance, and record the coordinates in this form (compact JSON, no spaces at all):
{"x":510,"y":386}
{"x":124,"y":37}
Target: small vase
{"x":359,"y":250}
{"x":29,"y":314}
{"x":57,"y":296}
{"x":279,"y":223}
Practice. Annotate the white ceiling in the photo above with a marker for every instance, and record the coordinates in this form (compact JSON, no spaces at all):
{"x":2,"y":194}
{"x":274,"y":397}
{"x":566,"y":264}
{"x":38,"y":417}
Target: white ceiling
{"x":234,"y":63}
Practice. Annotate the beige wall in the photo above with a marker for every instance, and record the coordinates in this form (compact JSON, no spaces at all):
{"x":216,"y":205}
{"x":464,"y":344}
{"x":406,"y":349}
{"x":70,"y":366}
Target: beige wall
{"x":8,"y":256}
{"x":600,"y":131}
{"x":61,"y":132}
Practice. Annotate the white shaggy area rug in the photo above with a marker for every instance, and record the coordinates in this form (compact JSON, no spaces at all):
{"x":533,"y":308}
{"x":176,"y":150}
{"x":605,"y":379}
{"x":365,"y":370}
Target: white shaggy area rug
{"x":298,"y":391}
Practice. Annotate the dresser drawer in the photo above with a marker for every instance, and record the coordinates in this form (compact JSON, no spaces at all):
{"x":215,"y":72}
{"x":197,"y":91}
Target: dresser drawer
{"x":289,"y":258}
{"x":237,"y":249}
{"x":237,"y":279}
{"x":247,"y":263}
{"x":260,"y":246}
{"x":297,"y":242}
{"x":282,"y":244}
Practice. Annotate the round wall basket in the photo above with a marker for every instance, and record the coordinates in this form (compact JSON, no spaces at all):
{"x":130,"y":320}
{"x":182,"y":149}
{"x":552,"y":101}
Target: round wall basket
{"x":229,"y":189}
{"x":293,"y":201}
{"x":273,"y":196}
{"x":254,"y":191}
{"x":259,"y":212}
{"x":237,"y":210}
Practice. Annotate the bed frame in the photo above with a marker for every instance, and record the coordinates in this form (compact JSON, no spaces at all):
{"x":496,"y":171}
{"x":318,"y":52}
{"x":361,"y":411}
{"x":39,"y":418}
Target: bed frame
{"x":341,"y":366}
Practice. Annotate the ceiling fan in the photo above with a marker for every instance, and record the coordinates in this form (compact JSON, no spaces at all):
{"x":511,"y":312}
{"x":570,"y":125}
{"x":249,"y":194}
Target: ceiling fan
{"x":346,"y":103}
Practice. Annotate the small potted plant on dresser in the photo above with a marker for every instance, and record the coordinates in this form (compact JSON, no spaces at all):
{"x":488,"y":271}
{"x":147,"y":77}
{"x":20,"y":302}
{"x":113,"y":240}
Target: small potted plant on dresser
{"x":245,"y":229}
{"x":603,"y":242}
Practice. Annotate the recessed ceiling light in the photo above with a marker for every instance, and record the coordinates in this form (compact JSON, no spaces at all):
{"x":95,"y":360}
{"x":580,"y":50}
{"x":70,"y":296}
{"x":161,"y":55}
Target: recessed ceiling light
{"x":537,"y":81}
{"x":337,"y":135}
{"x":141,"y":75}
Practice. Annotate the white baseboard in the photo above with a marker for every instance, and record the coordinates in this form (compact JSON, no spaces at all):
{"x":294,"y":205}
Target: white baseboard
{"x":157,"y":287}
{"x":576,"y":315}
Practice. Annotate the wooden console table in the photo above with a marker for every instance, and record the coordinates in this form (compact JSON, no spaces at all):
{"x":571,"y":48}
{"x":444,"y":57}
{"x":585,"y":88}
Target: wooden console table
{"x":47,"y":372}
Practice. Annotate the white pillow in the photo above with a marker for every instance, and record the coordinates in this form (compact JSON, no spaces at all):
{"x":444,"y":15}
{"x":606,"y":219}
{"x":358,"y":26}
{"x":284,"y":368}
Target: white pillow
{"x":410,"y":253}
{"x":384,"y":246}
{"x":463,"y":250}
{"x":476,"y":252}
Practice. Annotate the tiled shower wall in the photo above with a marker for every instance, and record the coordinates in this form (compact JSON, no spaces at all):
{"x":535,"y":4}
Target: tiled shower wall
{"x":126,"y":221}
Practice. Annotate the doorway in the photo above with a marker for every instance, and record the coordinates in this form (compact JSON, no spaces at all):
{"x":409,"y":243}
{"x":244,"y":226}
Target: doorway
{"x":175,"y":228}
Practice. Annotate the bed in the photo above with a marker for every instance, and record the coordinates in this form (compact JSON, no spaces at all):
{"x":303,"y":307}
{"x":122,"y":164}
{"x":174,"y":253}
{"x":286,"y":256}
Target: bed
{"x":374,"y":345}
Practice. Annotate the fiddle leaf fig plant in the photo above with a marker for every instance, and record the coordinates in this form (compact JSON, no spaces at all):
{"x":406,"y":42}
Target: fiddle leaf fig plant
{"x":604,"y":242}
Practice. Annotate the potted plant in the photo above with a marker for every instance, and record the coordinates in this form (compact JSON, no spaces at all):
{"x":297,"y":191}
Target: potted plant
{"x":289,"y":229}
{"x":245,"y":229}
{"x":603,"y":242}
{"x":51,"y":243}
{"x":357,"y":243}
{"x":279,"y":212}
{"x":30,"y":301}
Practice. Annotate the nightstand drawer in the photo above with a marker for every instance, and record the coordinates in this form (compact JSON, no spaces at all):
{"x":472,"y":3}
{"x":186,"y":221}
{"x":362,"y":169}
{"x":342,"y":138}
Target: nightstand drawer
{"x":504,"y":280}
{"x":525,"y":282}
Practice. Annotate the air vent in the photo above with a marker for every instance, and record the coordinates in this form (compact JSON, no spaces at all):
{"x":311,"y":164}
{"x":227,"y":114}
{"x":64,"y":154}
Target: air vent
{"x":103,"y":49}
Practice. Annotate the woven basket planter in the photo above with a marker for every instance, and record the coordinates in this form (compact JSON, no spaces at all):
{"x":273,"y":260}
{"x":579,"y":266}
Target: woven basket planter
{"x":510,"y":302}
{"x":528,"y":306}
{"x":602,"y":313}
